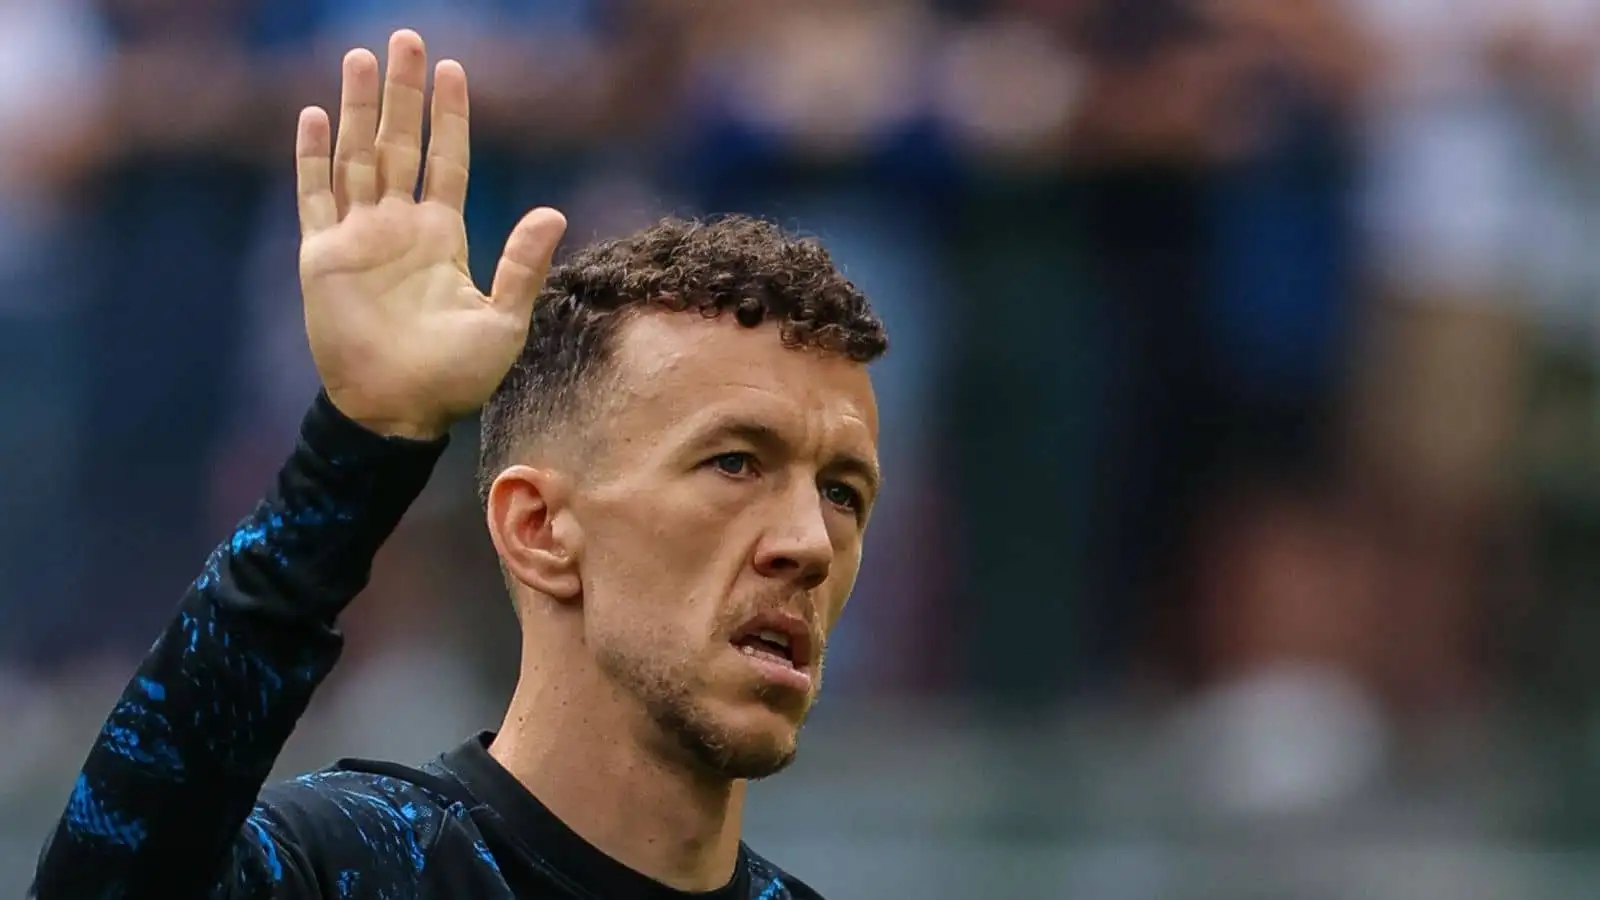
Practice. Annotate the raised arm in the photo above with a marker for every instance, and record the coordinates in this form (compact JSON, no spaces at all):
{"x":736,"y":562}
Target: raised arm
{"x":157,"y":809}
{"x":165,"y":807}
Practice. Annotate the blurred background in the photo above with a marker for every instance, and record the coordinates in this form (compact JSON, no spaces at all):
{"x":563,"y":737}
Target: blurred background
{"x":1242,"y":416}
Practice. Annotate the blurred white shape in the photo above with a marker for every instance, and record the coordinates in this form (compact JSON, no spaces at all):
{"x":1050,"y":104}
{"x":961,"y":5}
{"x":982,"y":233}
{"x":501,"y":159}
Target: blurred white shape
{"x":1004,"y":85}
{"x":52,"y":60}
{"x":829,"y":80}
{"x":52,"y":57}
{"x":1288,"y":739}
{"x":1442,"y":193}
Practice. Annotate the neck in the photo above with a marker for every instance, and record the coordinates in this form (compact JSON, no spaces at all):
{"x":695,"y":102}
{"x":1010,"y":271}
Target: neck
{"x":573,"y":741}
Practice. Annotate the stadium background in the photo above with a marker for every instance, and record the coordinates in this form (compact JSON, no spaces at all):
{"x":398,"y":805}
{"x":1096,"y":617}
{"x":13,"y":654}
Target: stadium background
{"x":1242,"y":422}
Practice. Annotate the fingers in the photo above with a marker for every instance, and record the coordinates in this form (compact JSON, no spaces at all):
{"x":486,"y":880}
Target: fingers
{"x":313,"y":141}
{"x":400,"y":127}
{"x":379,"y":148}
{"x":526,"y":260}
{"x":444,"y":177}
{"x":355,"y":164}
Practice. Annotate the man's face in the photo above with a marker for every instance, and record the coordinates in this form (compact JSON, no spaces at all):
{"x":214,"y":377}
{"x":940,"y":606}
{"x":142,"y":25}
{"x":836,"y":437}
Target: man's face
{"x":723,"y":524}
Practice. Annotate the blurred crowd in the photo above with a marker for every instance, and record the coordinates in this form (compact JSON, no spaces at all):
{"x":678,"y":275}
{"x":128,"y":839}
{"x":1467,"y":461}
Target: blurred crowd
{"x":1243,"y":365}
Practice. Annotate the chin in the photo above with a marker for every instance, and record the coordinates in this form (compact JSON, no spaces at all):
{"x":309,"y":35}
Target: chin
{"x":753,"y":756}
{"x":752,"y":742}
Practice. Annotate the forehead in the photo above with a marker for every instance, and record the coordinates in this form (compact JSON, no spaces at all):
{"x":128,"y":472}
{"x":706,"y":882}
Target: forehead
{"x":679,"y":368}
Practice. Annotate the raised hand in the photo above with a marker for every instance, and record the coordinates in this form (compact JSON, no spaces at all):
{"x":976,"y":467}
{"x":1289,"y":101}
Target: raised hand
{"x":403,"y":340}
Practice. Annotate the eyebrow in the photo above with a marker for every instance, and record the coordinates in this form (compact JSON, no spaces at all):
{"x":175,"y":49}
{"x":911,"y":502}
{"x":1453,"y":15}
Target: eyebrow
{"x":765,"y":436}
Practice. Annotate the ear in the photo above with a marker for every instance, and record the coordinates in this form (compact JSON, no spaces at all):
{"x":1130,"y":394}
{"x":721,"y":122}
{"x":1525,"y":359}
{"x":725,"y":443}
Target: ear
{"x":534,"y":532}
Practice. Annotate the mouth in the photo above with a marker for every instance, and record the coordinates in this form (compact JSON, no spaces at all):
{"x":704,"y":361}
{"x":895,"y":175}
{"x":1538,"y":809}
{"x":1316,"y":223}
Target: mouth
{"x":781,"y":647}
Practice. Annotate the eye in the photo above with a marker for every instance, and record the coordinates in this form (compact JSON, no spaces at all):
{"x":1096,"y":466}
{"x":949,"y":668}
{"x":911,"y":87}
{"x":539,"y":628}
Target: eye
{"x":736,"y":464}
{"x":843,"y":496}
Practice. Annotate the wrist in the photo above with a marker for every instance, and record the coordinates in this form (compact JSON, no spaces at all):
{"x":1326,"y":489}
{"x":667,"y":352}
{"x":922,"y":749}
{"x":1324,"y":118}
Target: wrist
{"x":371,"y":431}
{"x":387,"y":427}
{"x":406,"y":431}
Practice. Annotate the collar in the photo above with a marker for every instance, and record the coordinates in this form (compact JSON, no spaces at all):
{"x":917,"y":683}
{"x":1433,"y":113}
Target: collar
{"x":535,"y":833}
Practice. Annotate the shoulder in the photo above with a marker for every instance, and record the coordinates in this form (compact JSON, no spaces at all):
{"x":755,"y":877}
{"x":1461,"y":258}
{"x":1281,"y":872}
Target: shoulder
{"x":768,"y":882}
{"x":340,"y":813}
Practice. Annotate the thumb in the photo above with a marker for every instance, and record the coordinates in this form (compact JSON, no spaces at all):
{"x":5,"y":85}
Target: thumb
{"x":526,"y":260}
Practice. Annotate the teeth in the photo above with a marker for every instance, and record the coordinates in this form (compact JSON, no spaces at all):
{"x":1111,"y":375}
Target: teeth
{"x":782,"y":640}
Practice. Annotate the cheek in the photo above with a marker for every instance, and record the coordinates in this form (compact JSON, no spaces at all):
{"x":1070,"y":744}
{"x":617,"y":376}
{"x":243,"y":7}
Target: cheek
{"x":647,"y":608}
{"x":833,"y":614}
{"x":841,"y":583}
{"x":659,"y":574}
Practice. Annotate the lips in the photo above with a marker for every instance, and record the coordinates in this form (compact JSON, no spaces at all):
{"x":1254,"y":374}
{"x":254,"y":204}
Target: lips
{"x":777,"y":637}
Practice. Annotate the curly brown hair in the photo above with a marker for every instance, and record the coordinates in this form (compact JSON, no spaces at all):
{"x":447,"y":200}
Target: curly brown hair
{"x":735,"y":264}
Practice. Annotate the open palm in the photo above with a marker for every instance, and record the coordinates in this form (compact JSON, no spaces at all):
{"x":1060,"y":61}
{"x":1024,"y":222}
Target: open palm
{"x":403,"y":340}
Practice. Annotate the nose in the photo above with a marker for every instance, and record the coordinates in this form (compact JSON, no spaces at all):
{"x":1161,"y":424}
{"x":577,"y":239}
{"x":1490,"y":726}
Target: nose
{"x":797,"y":547}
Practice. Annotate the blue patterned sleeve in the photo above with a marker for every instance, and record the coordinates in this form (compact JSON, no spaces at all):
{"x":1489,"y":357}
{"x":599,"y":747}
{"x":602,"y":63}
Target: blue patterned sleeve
{"x":163,"y":805}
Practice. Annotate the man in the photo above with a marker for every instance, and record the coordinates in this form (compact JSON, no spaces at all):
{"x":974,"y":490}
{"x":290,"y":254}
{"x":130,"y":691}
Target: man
{"x":677,"y":472}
